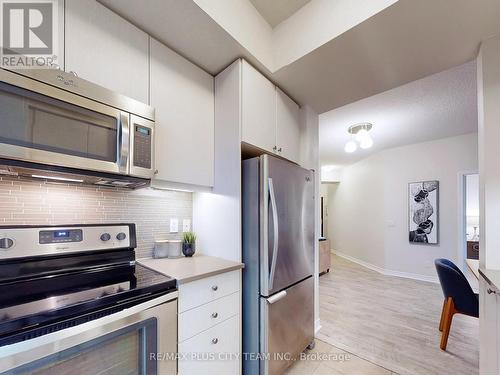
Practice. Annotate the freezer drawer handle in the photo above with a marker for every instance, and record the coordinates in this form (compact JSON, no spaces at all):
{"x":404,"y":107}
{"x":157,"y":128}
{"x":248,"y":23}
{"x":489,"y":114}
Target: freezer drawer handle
{"x":277,"y":297}
{"x":276,"y":233}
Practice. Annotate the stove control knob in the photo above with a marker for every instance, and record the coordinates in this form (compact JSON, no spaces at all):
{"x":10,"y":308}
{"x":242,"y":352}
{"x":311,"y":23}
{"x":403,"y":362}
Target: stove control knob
{"x":6,"y":243}
{"x":105,"y":237}
{"x":121,"y":236}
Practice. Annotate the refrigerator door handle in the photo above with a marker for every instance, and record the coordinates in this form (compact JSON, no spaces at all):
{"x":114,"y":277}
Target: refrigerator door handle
{"x":276,"y":232}
{"x":276,"y":297}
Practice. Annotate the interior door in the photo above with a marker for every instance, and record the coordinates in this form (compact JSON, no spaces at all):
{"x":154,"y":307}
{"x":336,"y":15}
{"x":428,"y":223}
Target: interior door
{"x":287,"y":209}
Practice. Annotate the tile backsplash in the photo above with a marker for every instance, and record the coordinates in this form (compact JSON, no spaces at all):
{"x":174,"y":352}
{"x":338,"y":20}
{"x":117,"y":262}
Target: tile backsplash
{"x":26,"y":201}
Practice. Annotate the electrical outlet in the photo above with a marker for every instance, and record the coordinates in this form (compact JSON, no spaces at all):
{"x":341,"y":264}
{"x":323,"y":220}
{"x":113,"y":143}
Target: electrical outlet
{"x":174,"y":225}
{"x":186,"y":225}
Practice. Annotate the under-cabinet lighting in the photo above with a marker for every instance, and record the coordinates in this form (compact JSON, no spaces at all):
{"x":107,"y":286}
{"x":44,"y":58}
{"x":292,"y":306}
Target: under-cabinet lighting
{"x":65,"y":179}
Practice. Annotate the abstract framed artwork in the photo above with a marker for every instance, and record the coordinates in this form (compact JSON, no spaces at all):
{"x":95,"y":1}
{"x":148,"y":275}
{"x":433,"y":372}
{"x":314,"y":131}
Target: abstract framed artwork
{"x":423,"y":212}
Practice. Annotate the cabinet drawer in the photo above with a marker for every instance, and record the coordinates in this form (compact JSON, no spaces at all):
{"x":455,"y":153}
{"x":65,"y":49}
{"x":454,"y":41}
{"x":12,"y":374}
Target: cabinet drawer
{"x":199,"y":292}
{"x":210,"y":351}
{"x":201,"y":318}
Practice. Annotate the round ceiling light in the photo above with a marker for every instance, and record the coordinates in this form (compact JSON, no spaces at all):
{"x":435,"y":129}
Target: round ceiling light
{"x":350,"y":146}
{"x":366,"y":143}
{"x":361,"y":134}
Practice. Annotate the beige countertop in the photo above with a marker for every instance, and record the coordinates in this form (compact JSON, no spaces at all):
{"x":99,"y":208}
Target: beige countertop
{"x":492,"y":277}
{"x":189,"y":269}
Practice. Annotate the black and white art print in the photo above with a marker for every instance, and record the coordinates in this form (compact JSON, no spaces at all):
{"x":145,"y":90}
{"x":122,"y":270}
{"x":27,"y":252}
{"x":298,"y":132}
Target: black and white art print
{"x":423,"y":210}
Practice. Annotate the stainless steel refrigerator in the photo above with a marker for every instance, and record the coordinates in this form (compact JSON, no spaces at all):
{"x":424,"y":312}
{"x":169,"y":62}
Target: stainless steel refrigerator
{"x":278,"y":252}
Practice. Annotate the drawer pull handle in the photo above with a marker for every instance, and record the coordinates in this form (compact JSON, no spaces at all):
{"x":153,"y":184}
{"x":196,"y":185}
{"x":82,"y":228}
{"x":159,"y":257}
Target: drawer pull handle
{"x":214,"y":288}
{"x":491,"y":291}
{"x":215,"y":341}
{"x":215,"y":315}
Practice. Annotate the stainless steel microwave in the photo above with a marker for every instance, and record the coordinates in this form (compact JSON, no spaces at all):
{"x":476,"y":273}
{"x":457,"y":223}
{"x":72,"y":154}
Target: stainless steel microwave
{"x":55,"y":125}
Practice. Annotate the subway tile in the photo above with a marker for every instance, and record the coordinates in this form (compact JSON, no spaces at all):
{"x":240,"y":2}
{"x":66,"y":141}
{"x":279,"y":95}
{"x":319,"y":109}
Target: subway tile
{"x":24,"y":201}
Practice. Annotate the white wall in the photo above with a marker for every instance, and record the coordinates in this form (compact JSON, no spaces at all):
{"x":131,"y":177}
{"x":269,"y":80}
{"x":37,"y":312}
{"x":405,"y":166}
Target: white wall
{"x":323,"y":192}
{"x":309,"y":158}
{"x":217,"y":215}
{"x":368,"y":208}
{"x":472,"y":203}
{"x":489,"y":134}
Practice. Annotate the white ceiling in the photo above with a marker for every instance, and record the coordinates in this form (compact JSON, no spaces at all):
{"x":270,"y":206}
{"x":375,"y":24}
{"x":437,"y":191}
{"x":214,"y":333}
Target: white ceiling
{"x":276,"y":11}
{"x":438,"y":106}
{"x":408,"y":40}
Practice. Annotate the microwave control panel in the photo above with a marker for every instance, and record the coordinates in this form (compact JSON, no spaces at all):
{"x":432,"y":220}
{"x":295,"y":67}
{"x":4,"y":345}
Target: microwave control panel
{"x":142,"y":146}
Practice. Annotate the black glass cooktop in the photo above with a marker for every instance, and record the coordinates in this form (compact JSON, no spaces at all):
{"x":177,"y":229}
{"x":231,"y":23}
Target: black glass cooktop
{"x":33,"y":306}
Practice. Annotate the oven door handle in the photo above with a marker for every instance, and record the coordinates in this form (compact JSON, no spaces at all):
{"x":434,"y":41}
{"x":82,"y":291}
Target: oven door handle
{"x":124,"y":142}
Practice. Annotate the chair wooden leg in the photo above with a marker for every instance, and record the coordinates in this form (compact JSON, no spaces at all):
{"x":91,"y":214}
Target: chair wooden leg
{"x":448,"y":317}
{"x":441,"y":322}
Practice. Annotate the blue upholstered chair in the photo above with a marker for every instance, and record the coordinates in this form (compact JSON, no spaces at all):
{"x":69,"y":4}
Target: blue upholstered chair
{"x":459,"y":297}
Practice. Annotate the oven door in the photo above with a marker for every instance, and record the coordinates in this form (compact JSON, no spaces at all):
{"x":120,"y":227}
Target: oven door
{"x":47,"y":125}
{"x":140,"y":340}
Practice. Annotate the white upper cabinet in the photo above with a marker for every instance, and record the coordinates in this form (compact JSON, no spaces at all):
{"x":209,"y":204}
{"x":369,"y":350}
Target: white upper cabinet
{"x":269,"y":118}
{"x":287,"y":127}
{"x":103,"y":48}
{"x":183,"y":96}
{"x":258,"y":103}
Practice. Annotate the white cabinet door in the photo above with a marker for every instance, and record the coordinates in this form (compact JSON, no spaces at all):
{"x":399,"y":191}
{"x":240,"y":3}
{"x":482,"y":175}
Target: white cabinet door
{"x":489,"y":320}
{"x":221,"y":344}
{"x":258,"y":103}
{"x":287,"y":127}
{"x":183,"y":96}
{"x":103,"y":48}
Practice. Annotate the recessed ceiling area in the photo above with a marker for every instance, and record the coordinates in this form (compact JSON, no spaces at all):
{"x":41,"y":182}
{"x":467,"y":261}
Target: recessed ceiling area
{"x":400,"y":43}
{"x":438,"y":106}
{"x":276,"y":11}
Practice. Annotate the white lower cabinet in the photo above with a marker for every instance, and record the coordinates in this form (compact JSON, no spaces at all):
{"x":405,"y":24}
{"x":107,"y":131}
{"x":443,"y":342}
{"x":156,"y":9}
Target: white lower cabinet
{"x":212,"y":351}
{"x":206,"y":316}
{"x":209,"y":327}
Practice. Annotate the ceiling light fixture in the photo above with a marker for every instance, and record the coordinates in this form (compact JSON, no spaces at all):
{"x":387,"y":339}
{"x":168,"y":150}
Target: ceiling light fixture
{"x":350,"y":146}
{"x":361,"y":134}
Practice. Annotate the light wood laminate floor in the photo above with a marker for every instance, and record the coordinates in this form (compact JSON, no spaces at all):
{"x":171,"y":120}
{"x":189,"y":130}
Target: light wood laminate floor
{"x":327,"y":359}
{"x":392,"y":322}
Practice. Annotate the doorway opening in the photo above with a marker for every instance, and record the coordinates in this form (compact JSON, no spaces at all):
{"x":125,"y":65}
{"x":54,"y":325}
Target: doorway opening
{"x":472,"y":216}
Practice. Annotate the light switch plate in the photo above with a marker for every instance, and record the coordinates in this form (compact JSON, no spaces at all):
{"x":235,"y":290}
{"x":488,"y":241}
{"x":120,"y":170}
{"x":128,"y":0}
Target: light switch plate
{"x":186,"y":225}
{"x":174,"y":225}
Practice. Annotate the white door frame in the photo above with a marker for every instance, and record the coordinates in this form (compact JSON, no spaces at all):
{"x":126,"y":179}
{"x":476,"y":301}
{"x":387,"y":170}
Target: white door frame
{"x":461,"y":211}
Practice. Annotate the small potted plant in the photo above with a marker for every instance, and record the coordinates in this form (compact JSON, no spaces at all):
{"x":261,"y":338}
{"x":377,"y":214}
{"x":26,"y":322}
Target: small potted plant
{"x":188,"y":244}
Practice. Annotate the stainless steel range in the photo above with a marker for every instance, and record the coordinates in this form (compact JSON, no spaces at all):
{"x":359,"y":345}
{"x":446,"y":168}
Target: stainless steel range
{"x":73,"y":300}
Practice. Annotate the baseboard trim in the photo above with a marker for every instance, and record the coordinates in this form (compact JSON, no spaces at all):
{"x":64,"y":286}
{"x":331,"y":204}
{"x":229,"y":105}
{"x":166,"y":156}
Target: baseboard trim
{"x":383,"y":271}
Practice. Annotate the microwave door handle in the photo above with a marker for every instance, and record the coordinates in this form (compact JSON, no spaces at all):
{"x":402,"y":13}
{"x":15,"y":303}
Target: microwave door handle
{"x":123,"y":142}
{"x":275,"y":232}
